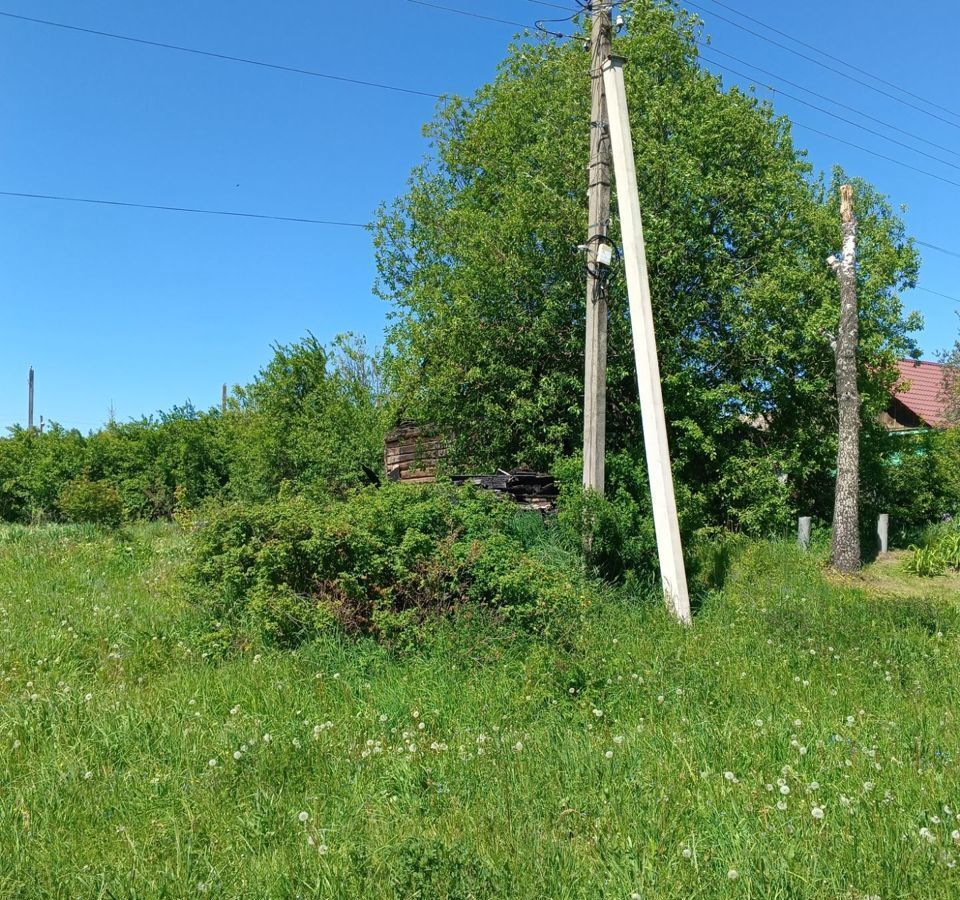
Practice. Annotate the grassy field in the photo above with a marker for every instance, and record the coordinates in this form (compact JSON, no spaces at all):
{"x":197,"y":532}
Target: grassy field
{"x":800,"y":740}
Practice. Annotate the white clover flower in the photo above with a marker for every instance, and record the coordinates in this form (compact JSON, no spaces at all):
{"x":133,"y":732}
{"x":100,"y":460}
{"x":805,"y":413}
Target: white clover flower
{"x":817,"y":812}
{"x":87,"y":697}
{"x":733,"y":874}
{"x":212,"y":763}
{"x":850,"y":720}
{"x":87,"y":776}
{"x":598,"y":713}
{"x":618,"y":739}
{"x":781,"y":805}
{"x":758,"y":723}
{"x":784,"y":789}
{"x":802,"y":751}
{"x":421,"y":726}
{"x":267,"y":738}
{"x":729,"y":776}
{"x":303,"y":817}
{"x":518,"y":746}
{"x":322,"y":848}
{"x":234,"y":710}
{"x":609,"y":754}
{"x":844,"y":800}
{"x":935,"y":820}
{"x":813,"y":787}
{"x":955,"y":834}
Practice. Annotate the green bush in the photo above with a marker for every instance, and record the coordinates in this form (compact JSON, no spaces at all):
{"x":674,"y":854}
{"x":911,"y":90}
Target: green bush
{"x":380,"y":561}
{"x":91,"y":502}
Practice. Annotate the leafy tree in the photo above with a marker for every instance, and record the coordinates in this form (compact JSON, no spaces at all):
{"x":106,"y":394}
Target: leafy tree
{"x":311,"y":419}
{"x":479,"y":261}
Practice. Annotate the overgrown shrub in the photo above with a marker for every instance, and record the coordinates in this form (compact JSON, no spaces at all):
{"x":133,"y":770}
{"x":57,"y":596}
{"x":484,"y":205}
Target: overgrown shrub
{"x":92,"y":503}
{"x":381,"y":561}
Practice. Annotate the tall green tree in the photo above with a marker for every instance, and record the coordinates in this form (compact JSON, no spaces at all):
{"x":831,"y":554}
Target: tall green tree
{"x":479,"y":261}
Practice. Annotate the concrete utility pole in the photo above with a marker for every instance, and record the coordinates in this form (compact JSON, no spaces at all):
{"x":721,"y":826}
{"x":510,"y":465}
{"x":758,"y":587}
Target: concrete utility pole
{"x":666,"y":523}
{"x":30,"y":400}
{"x":595,"y":357}
{"x":845,"y":554}
{"x":223,"y":399}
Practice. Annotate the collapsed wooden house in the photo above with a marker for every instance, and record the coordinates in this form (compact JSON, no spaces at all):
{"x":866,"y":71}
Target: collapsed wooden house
{"x":414,"y":455}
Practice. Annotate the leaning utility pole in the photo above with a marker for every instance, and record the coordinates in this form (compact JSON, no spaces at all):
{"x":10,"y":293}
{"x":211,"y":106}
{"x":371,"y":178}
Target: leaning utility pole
{"x":30,"y":400}
{"x":665,"y":521}
{"x":598,"y":258}
{"x":845,"y":555}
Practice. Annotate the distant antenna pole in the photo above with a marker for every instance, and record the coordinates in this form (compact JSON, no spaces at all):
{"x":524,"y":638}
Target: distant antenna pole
{"x":30,"y":400}
{"x":665,"y":521}
{"x":598,"y":258}
{"x":223,"y":399}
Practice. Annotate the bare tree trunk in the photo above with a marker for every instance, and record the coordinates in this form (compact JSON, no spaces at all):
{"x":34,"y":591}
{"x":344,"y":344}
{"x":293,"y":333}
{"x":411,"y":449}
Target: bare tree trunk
{"x":845,"y":556}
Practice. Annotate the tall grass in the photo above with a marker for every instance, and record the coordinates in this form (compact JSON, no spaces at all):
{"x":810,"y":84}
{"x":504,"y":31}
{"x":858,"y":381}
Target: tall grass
{"x":631,"y":758}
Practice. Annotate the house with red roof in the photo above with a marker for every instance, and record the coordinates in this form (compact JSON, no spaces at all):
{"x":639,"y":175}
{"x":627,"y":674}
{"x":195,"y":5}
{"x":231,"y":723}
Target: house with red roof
{"x":920,"y":398}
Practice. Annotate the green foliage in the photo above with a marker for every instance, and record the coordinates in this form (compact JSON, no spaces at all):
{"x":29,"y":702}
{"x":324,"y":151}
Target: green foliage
{"x":311,"y":418}
{"x":382,"y":561}
{"x":478,"y":260}
{"x":914,"y":478}
{"x":933,"y":558}
{"x":91,"y":502}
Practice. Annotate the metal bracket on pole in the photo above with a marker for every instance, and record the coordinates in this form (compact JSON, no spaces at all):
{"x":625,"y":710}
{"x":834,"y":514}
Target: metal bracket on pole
{"x":666,"y":523}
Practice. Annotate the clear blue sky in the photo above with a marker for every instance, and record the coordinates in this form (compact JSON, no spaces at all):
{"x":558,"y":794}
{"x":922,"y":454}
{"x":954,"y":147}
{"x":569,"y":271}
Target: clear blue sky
{"x":146,"y":309}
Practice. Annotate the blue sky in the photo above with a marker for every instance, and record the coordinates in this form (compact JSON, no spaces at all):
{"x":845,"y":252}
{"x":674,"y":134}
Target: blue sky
{"x":144,"y":309}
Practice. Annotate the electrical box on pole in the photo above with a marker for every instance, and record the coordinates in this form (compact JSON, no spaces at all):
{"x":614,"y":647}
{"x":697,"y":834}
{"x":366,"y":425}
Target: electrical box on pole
{"x":666,"y":523}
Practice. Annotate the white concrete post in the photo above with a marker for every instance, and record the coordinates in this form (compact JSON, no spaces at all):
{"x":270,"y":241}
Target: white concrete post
{"x":666,"y":524}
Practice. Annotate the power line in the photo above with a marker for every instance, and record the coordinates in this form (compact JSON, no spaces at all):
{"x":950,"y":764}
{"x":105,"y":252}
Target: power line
{"x":938,"y":294}
{"x":823,"y":65}
{"x":892,"y":159}
{"x":834,"y":115}
{"x":473,"y":15}
{"x":812,"y":93}
{"x":844,"y":62}
{"x":224,"y":56}
{"x":938,"y":249}
{"x":183,"y":209}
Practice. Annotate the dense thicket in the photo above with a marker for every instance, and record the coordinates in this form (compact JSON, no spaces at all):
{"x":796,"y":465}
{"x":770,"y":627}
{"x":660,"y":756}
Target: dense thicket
{"x":479,"y":260}
{"x":306,"y":424}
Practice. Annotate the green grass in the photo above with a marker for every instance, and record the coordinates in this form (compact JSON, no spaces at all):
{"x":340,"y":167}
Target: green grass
{"x":593,"y":767}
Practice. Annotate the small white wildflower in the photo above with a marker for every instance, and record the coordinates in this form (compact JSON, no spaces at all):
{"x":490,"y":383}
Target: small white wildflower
{"x":303,"y":817}
{"x":687,"y":853}
{"x":729,"y":776}
{"x":935,"y":820}
{"x":733,"y":874}
{"x":267,"y":738}
{"x":758,"y":723}
{"x":817,"y":812}
{"x":598,"y":713}
{"x":518,"y":746}
{"x":87,"y":776}
{"x":955,"y":834}
{"x":781,"y":805}
{"x":618,"y":739}
{"x":784,"y":789}
{"x":234,"y":710}
{"x":212,"y":763}
{"x":609,"y":754}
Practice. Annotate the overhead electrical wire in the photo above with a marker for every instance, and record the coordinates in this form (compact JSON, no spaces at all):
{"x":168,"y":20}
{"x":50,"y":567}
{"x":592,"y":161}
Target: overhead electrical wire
{"x":834,"y":115}
{"x":838,"y":59}
{"x":384,"y":86}
{"x":183,"y":209}
{"x":853,"y":109}
{"x":464,"y":12}
{"x":223,"y":56}
{"x":823,"y":65}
